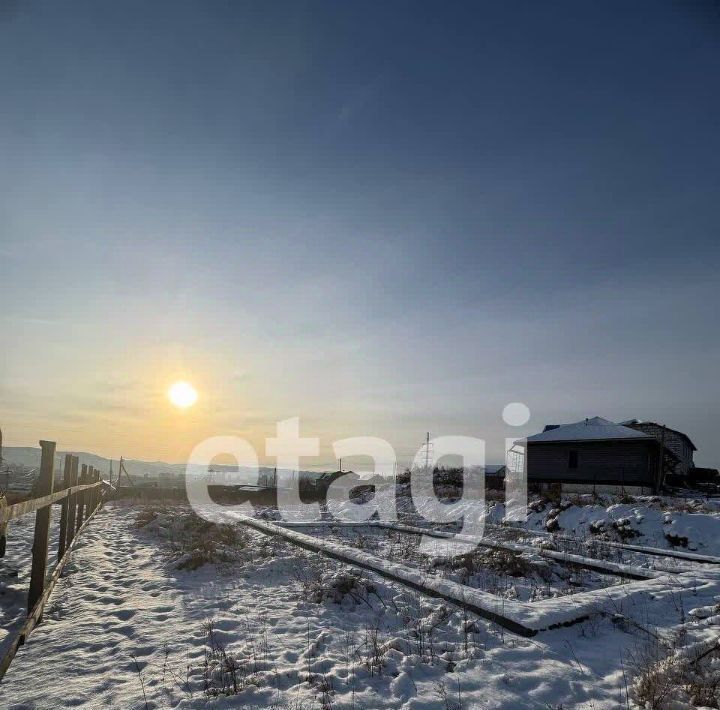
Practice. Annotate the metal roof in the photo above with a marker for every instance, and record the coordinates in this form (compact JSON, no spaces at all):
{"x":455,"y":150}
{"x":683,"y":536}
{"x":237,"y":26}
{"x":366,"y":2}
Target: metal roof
{"x":593,"y":429}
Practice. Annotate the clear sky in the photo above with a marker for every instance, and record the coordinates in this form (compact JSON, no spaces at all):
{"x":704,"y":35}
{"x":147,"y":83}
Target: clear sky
{"x":382,"y":217}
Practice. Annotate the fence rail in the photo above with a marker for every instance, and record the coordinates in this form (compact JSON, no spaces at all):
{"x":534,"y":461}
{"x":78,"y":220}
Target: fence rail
{"x":17,"y":510}
{"x":80,"y":497}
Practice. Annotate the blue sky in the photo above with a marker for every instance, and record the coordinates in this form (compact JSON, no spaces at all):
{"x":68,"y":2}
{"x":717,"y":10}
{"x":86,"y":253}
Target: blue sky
{"x":384,"y":218}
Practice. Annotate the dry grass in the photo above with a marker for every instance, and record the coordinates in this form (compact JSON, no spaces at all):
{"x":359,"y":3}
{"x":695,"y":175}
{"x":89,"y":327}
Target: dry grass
{"x":192,"y":540}
{"x":667,"y":677}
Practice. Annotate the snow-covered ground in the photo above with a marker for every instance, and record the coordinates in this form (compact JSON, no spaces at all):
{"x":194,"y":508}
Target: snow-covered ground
{"x":15,"y":573}
{"x":135,"y":623}
{"x":691,"y":525}
{"x":510,"y":575}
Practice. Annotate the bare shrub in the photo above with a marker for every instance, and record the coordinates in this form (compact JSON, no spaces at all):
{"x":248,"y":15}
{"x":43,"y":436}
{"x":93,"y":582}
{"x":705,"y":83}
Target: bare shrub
{"x":624,"y":529}
{"x":665,"y":677}
{"x":324,"y":688}
{"x":506,"y":562}
{"x":445,"y":698}
{"x":146,"y":515}
{"x":337,"y":586}
{"x":193,"y":541}
{"x":222,"y":673}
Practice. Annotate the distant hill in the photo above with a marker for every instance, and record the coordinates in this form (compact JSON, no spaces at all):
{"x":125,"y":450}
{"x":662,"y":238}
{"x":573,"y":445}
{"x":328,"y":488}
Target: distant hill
{"x":30,"y":457}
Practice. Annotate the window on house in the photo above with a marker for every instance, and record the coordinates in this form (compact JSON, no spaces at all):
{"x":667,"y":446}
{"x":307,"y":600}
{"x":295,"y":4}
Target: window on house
{"x":573,"y":459}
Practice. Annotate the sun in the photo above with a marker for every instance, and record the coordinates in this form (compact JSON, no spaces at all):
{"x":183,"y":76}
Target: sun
{"x":182,"y":395}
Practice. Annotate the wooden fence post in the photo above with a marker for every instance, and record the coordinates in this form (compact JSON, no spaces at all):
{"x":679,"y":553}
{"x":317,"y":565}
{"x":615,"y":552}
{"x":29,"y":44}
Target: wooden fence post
{"x":72,"y":502}
{"x":81,"y":497}
{"x":62,"y":539}
{"x":98,"y":490}
{"x":91,"y":497}
{"x":41,"y":540}
{"x":3,"y":529}
{"x":89,"y":494}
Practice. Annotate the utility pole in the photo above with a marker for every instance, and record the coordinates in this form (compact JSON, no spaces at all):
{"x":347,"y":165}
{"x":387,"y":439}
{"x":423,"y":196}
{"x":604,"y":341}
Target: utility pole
{"x":121,"y":470}
{"x":428,"y":451}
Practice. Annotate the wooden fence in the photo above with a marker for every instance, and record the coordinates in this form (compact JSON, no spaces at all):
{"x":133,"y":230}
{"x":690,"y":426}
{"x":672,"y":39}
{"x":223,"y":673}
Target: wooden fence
{"x":80,"y":497}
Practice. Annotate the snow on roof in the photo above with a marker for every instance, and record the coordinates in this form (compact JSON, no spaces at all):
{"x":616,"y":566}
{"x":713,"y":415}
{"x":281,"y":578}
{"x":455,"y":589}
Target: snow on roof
{"x":593,"y":429}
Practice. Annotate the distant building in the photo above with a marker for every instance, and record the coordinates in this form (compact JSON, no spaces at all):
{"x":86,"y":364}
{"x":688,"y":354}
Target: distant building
{"x":594,"y":453}
{"x":495,"y":476}
{"x":679,"y":443}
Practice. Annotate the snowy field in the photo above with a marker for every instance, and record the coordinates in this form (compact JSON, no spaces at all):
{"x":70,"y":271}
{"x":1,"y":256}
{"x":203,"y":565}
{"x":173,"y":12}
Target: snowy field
{"x":510,"y":575}
{"x":157,"y":609}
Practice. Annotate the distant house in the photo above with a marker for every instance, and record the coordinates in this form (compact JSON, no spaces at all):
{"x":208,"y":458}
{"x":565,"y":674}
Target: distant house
{"x":594,"y":453}
{"x":495,"y":476}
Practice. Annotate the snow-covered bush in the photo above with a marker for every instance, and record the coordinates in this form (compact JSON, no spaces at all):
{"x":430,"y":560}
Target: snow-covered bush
{"x":666,"y":678}
{"x":339,"y":585}
{"x":192,"y":540}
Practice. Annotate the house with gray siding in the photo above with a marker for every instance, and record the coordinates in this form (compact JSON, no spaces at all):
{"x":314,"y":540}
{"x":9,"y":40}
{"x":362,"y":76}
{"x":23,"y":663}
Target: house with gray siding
{"x":594,"y":454}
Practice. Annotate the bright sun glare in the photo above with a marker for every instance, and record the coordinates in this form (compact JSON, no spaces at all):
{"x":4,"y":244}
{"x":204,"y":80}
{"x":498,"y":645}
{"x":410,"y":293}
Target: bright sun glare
{"x":182,"y":395}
